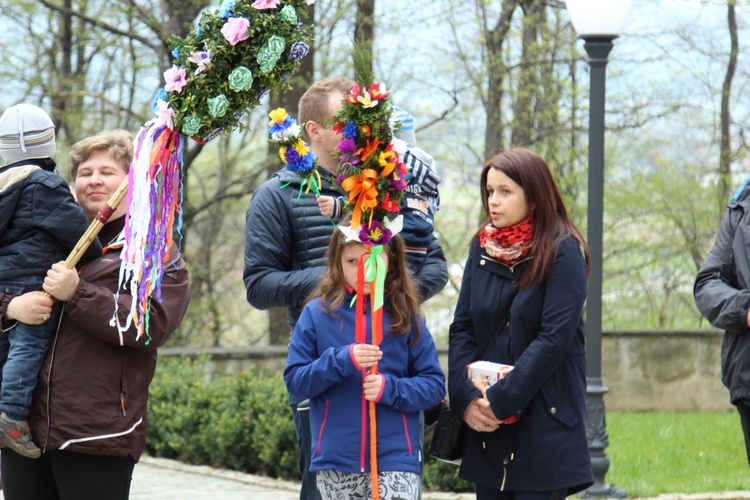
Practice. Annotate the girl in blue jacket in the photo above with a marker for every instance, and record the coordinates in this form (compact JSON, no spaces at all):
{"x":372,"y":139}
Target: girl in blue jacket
{"x":327,"y":365}
{"x":528,"y":263}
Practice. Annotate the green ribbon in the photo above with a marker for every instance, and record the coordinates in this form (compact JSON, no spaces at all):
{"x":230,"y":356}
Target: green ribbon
{"x":375,"y":271}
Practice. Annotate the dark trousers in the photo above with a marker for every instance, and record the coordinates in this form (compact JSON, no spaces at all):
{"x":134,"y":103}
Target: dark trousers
{"x":489,"y":493}
{"x":743,"y":408}
{"x":65,"y":475}
{"x":309,"y":488}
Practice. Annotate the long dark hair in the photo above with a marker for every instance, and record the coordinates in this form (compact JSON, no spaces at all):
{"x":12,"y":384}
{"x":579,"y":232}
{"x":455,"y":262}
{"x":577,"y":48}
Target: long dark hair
{"x":403,"y":297}
{"x":551,"y":222}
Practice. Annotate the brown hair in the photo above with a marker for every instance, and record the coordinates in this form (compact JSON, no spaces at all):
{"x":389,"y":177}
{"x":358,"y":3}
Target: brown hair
{"x":313,"y":105}
{"x":118,"y":143}
{"x":551,"y":222}
{"x":403,"y":297}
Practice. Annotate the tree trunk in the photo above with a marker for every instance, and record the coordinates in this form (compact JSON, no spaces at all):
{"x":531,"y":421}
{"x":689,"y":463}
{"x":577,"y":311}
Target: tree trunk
{"x":496,"y":71}
{"x":278,"y":329}
{"x":725,"y":159}
{"x":364,"y":27}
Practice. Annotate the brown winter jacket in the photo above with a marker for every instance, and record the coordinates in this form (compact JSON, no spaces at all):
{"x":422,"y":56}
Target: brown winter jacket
{"x":92,"y":392}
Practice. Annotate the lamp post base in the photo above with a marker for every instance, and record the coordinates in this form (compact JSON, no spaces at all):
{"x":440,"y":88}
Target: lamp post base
{"x":596,"y":433}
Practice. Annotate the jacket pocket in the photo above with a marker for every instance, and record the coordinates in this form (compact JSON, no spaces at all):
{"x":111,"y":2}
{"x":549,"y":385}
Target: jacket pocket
{"x":558,"y":407}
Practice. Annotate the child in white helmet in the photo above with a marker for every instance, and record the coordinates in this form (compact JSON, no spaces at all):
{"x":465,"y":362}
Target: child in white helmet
{"x":40,"y":223}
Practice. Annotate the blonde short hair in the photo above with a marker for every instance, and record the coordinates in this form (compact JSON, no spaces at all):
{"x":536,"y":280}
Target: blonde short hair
{"x":313,"y":105}
{"x":118,"y":143}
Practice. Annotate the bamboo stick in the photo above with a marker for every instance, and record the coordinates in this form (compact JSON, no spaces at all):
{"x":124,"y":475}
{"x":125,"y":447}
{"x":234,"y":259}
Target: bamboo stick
{"x":96,"y":225}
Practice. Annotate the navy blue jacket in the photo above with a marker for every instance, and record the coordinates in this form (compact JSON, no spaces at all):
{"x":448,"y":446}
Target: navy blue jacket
{"x":285,"y":244}
{"x":547,"y":448}
{"x":320,"y":367}
{"x":40,"y":222}
{"x":722,"y":293}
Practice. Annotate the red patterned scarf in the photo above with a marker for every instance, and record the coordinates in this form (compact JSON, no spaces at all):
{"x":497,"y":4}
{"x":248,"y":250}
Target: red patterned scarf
{"x":508,"y":244}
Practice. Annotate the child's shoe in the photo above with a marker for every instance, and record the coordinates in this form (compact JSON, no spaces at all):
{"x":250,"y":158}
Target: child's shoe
{"x":15,"y":435}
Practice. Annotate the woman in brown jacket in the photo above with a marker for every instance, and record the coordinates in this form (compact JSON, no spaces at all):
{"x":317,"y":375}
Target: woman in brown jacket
{"x":89,"y":409}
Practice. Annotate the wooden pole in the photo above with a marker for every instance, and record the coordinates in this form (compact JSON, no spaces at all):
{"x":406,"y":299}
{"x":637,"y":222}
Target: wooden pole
{"x":96,"y":225}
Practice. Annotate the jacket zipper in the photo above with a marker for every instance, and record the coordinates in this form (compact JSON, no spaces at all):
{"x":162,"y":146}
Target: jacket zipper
{"x":505,"y":470}
{"x":49,"y":377}
{"x":406,"y":431}
{"x":322,"y":426}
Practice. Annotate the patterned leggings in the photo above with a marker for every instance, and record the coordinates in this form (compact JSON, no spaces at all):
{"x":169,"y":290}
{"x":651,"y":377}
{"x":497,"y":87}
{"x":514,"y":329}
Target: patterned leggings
{"x":393,"y":485}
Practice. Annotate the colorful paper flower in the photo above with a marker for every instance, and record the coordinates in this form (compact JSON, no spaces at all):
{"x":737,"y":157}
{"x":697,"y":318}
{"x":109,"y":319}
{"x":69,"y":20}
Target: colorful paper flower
{"x":293,"y":151}
{"x":375,"y":234}
{"x":351,"y":97}
{"x":235,"y":30}
{"x":378,"y":91}
{"x":288,"y":14}
{"x":202,"y":59}
{"x":164,"y":114}
{"x":240,"y":79}
{"x":350,"y":130}
{"x":175,"y":79}
{"x":161,"y":95}
{"x":218,"y":105}
{"x":191,"y":125}
{"x":298,"y":50}
{"x":371,"y":169}
{"x":265,"y":4}
{"x":242,"y":50}
{"x":270,"y":53}
{"x":225,"y":9}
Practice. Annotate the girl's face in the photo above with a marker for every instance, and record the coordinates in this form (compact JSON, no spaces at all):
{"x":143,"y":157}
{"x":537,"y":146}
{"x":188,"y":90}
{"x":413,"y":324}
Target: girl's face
{"x":97,"y":179}
{"x":349,"y":258}
{"x":505,"y":199}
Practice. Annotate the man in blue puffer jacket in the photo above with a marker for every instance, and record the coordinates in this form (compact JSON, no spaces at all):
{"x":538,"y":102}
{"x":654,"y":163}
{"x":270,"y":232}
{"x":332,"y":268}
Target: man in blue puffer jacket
{"x":287,"y":237}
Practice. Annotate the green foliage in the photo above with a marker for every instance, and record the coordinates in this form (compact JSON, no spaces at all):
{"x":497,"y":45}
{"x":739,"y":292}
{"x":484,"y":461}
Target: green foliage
{"x":241,"y":422}
{"x":666,"y":452}
{"x":441,"y":476}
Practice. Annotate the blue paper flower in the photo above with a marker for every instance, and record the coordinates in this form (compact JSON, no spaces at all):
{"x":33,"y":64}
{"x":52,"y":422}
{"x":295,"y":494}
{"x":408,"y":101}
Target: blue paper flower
{"x":298,"y":50}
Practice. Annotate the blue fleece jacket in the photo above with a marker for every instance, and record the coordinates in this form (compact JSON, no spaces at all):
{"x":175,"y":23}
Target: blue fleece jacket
{"x":320,"y":367}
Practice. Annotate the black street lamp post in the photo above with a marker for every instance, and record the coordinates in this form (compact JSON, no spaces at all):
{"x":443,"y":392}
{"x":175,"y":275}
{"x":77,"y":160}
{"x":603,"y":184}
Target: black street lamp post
{"x":598,"y":23}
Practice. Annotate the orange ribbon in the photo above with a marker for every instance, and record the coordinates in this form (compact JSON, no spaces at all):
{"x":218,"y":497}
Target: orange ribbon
{"x":363,"y":188}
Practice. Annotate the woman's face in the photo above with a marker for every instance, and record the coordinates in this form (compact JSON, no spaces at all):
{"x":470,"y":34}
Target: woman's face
{"x":98,"y":178}
{"x":505,"y":199}
{"x":349,"y":258}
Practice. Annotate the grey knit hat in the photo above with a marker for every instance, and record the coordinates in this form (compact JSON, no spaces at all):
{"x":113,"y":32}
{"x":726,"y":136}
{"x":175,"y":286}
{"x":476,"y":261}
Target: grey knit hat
{"x":26,"y":132}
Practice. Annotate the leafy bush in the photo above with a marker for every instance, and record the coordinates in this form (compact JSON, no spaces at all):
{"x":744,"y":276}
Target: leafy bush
{"x":241,"y":422}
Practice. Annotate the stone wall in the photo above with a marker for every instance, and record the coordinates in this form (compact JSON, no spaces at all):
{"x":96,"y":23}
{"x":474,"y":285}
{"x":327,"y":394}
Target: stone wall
{"x":657,"y":370}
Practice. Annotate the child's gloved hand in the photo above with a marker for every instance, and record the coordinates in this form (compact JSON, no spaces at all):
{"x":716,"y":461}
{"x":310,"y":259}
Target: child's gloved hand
{"x":365,"y":355}
{"x":372,"y":386}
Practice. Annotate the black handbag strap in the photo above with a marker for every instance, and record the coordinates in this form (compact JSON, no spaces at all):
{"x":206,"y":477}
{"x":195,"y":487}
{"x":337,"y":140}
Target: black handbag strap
{"x":499,"y":329}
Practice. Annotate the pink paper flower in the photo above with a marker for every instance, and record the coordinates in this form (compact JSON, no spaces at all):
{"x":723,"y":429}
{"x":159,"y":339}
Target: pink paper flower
{"x":265,"y":4}
{"x":175,"y":79}
{"x":164,"y":114}
{"x":235,"y":30}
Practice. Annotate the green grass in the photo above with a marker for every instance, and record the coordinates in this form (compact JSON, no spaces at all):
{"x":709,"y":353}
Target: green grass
{"x":668,"y":452}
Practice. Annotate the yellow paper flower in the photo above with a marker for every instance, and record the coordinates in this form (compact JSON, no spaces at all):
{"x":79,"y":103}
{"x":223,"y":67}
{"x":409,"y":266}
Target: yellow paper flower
{"x":278,"y":115}
{"x":301,"y":148}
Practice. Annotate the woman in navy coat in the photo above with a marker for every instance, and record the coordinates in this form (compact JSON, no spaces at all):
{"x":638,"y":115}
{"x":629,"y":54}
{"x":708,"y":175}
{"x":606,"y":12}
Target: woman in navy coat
{"x":527,"y":268}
